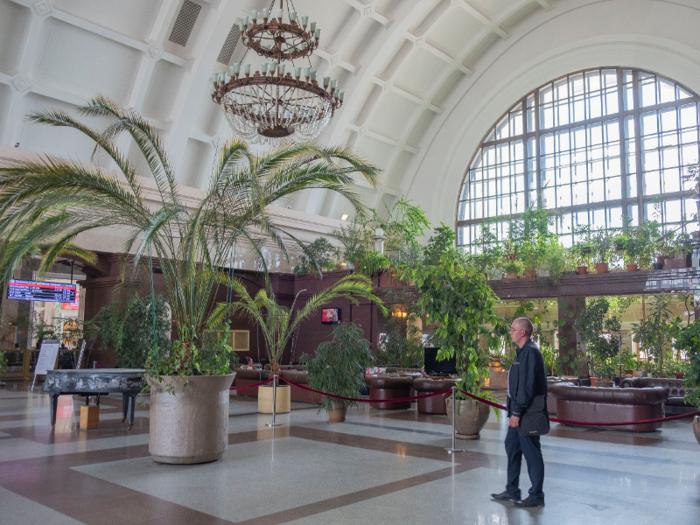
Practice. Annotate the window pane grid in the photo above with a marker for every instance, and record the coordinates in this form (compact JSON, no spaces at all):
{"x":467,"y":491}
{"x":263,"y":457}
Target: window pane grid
{"x":583,"y":161}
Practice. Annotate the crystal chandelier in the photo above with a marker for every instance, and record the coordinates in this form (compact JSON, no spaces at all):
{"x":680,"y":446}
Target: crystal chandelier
{"x":276,"y":105}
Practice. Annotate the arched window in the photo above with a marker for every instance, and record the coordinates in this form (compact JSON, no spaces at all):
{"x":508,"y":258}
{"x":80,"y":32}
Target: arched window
{"x":594,"y":146}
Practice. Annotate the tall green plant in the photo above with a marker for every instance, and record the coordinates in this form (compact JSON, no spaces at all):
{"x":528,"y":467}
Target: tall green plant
{"x":599,"y":332}
{"x":657,"y":332}
{"x":459,"y":301}
{"x":689,"y":340}
{"x":127,"y":329}
{"x":53,"y":201}
{"x":403,"y":345}
{"x":339,"y":365}
{"x":278,"y":322}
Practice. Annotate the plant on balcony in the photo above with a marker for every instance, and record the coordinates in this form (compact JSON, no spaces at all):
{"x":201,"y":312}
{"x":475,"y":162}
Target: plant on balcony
{"x":319,"y":257}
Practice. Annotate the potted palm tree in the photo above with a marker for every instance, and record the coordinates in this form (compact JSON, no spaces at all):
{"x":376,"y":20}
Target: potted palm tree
{"x":278,"y":322}
{"x":53,"y":201}
{"x":338,"y":368}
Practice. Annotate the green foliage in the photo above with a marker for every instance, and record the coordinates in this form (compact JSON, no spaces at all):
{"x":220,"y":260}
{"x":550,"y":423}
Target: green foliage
{"x":372,"y":263}
{"x":461,"y":304}
{"x":599,"y":332}
{"x":128,"y":329}
{"x":629,"y":360}
{"x":404,"y":224}
{"x":277,"y":322}
{"x":656,"y":333}
{"x":53,"y":201}
{"x":403,"y":345}
{"x":339,"y":365}
{"x":319,"y":257}
{"x":689,"y":340}
{"x":3,"y":362}
{"x":550,"y":356}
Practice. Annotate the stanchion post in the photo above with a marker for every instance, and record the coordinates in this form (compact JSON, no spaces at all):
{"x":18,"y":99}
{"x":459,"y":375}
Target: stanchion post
{"x":454,"y":450}
{"x":274,"y":404}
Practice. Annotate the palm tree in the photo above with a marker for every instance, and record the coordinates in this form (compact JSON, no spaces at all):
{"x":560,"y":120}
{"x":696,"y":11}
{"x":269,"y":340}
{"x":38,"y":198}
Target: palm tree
{"x":55,"y":200}
{"x":278,"y":322}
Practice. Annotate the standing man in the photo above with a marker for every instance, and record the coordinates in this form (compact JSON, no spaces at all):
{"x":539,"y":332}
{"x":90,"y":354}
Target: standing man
{"x":527,"y":378}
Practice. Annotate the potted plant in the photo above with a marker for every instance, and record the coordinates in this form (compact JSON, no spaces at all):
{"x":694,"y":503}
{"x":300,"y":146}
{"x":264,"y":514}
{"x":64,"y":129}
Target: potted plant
{"x":601,"y":247}
{"x":277,"y":322}
{"x":462,"y":305}
{"x":689,"y":340}
{"x":338,"y":369}
{"x":52,"y":201}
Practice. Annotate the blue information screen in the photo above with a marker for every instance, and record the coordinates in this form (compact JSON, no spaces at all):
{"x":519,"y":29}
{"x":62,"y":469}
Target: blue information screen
{"x":41,"y":291}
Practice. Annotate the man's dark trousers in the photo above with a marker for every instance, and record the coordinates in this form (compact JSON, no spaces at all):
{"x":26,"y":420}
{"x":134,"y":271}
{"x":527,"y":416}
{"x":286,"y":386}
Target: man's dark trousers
{"x":516,"y":446}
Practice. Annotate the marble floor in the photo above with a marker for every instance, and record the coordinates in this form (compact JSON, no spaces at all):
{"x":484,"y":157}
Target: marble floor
{"x":378,"y":467}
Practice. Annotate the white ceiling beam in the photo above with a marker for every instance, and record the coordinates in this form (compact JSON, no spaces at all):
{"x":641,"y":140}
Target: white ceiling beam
{"x":369,"y":11}
{"x":484,"y":20}
{"x":335,"y":60}
{"x":388,"y":85}
{"x":453,"y":62}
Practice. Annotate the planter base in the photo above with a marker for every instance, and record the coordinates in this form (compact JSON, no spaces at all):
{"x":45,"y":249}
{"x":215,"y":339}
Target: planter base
{"x":467,"y":436}
{"x":284,"y":400}
{"x":337,"y":414}
{"x":189,"y":425}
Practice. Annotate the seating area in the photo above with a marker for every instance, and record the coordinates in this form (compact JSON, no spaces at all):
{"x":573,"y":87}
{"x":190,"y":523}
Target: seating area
{"x":675,"y":389}
{"x":598,"y":404}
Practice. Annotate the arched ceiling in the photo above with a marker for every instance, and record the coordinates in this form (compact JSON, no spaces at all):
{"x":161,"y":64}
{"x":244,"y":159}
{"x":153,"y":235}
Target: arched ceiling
{"x":425,"y":78}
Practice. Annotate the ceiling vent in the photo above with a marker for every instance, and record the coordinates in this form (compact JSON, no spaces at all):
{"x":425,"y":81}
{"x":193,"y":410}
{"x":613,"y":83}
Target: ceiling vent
{"x":184,"y":23}
{"x":229,"y":45}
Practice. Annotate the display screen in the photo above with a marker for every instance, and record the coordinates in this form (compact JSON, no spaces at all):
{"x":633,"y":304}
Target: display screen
{"x":330,"y":315}
{"x":39,"y":291}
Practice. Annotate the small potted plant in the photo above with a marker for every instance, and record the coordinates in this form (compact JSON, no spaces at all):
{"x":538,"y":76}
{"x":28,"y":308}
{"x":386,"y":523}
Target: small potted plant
{"x":601,"y":245}
{"x":338,"y":369}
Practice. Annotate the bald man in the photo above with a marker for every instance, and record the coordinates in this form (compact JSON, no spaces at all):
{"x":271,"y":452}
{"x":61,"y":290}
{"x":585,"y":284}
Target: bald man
{"x":527,"y":378}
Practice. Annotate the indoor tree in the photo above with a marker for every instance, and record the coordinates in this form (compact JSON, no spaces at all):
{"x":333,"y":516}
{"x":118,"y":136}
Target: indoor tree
{"x":461,"y":304}
{"x":278,"y":322}
{"x":52,"y":201}
{"x":657,"y":332}
{"x":599,"y":331}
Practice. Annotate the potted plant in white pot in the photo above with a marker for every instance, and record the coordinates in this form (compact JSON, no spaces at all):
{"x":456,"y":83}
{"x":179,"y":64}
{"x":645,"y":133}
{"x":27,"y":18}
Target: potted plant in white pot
{"x":462,"y":305}
{"x":277,"y":322}
{"x":338,"y":368}
{"x":53,"y":201}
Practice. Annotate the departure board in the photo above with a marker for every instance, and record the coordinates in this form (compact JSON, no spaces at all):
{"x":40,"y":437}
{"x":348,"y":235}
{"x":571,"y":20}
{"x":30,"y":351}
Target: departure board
{"x":39,"y":291}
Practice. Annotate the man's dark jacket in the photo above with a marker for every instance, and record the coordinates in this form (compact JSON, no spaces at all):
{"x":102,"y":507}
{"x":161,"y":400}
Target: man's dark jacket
{"x":527,"y":379}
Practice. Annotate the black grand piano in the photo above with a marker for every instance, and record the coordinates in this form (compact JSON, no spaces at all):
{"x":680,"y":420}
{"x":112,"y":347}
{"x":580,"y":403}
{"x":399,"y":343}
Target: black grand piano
{"x":96,"y":382}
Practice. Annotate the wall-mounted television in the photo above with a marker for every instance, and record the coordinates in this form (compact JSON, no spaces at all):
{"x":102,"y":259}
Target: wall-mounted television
{"x":41,"y":291}
{"x":330,"y":315}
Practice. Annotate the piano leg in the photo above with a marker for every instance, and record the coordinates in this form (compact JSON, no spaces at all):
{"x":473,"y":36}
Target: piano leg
{"x":132,"y":409}
{"x":125,"y":406}
{"x":54,"y":408}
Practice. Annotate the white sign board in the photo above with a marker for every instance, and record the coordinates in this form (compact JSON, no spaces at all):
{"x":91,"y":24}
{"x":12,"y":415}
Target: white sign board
{"x":48,"y":354}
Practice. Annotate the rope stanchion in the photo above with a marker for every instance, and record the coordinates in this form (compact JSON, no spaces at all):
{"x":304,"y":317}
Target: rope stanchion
{"x":454,"y":449}
{"x":274,"y":404}
{"x":590,"y":423}
{"x":343,"y":398}
{"x":252,"y":386}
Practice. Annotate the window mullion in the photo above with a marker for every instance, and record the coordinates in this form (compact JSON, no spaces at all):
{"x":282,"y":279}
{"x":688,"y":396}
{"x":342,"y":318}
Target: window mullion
{"x":623,"y":153}
{"x":638,"y":146}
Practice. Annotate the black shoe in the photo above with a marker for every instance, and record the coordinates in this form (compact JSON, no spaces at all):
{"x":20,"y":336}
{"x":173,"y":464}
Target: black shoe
{"x":530,"y":502}
{"x":504,"y":496}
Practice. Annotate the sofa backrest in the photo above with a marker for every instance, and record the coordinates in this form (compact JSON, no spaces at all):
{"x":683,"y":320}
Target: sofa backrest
{"x":674,"y":387}
{"x":622,"y":396}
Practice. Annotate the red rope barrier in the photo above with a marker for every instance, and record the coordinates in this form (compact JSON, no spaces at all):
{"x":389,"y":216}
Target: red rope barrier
{"x":397,"y":400}
{"x":589,"y":423}
{"x":252,"y":386}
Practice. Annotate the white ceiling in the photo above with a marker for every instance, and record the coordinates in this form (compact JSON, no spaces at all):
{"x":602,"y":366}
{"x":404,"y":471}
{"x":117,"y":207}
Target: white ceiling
{"x":426,"y":79}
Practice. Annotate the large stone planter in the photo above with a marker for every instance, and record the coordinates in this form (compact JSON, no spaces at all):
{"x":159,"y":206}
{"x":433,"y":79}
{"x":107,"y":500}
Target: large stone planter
{"x":189,"y":424}
{"x":284,"y":399}
{"x":696,"y":428}
{"x":471,"y":418}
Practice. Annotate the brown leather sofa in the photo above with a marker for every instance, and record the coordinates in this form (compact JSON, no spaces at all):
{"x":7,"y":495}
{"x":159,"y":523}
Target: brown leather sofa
{"x":427,"y":385}
{"x":551,"y":401}
{"x":675,"y":388}
{"x":245,"y":377}
{"x":581,"y":403}
{"x":385,"y":387}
